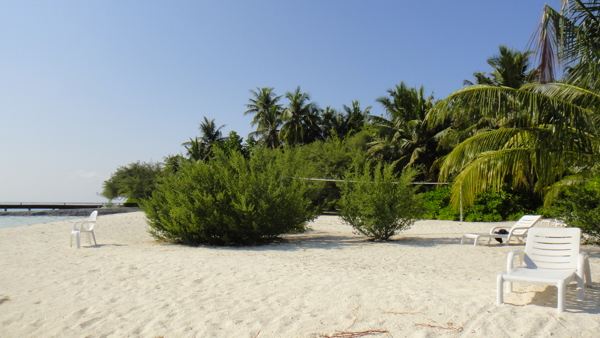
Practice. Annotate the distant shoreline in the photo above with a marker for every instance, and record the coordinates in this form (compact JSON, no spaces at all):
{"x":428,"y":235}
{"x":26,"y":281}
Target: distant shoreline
{"x":70,"y":212}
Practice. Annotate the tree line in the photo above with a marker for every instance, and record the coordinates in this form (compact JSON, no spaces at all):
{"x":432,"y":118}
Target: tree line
{"x":523,"y":128}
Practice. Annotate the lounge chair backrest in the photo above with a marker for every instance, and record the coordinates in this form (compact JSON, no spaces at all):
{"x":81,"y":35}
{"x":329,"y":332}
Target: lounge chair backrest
{"x":552,"y":248}
{"x":525,"y":223}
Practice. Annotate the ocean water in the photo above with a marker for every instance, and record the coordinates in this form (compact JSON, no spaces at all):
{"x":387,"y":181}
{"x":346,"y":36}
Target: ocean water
{"x":17,"y":221}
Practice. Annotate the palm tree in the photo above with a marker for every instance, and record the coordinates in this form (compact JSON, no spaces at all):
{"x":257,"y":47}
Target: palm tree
{"x":267,"y":116}
{"x":194,"y":149}
{"x":571,"y":39}
{"x":548,"y":131}
{"x":200,"y":148}
{"x":356,"y":118}
{"x":268,"y":131}
{"x":211,"y":134}
{"x":301,"y":119}
{"x":345,"y":124}
{"x":511,"y":68}
{"x":332,"y":123}
{"x":403,"y":137}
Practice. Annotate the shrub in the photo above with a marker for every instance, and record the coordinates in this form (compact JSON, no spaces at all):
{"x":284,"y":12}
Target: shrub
{"x":377,"y":203}
{"x":131,"y":202}
{"x":579,"y":206}
{"x":135,"y":180}
{"x":488,"y":207}
{"x":230,"y":200}
{"x":330,"y":159}
{"x":437,"y":203}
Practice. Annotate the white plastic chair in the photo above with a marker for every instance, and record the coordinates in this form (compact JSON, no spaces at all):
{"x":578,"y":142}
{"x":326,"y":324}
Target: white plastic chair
{"x":551,"y":257}
{"x":517,"y":231}
{"x":85,"y":227}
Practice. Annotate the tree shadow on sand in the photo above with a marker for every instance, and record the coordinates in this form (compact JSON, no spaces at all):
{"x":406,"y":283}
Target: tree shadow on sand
{"x":313,"y":240}
{"x":98,"y":246}
{"x":327,"y":241}
{"x":427,"y":241}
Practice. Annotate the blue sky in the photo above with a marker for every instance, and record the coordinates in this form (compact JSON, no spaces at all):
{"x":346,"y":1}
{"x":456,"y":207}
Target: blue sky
{"x":88,"y":86}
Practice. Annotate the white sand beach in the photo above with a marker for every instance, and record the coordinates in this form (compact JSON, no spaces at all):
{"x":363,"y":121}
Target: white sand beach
{"x":327,"y":282}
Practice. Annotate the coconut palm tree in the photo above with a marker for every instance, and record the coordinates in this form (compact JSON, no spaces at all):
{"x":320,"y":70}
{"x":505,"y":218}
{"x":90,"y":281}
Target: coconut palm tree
{"x":511,"y":68}
{"x":570,"y":39}
{"x":548,"y":131}
{"x":267,"y":116}
{"x":301,"y":119}
{"x":268,"y":130}
{"x":345,"y":124}
{"x":200,"y":148}
{"x":356,"y":117}
{"x":403,"y":137}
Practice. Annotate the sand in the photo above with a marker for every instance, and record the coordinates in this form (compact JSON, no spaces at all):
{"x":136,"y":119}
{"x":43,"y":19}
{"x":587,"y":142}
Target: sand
{"x":327,"y":282}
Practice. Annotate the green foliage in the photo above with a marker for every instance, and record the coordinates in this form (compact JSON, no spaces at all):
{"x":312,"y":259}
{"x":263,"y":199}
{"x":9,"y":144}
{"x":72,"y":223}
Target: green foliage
{"x":201,"y":148}
{"x":377,"y":203}
{"x":497,"y":206}
{"x":234,"y":143}
{"x":488,"y":207}
{"x":437,"y":204}
{"x":230,"y":200}
{"x":136,"y":180}
{"x":329,"y":159}
{"x":579,"y":206}
{"x":131,"y":203}
{"x":173,"y":163}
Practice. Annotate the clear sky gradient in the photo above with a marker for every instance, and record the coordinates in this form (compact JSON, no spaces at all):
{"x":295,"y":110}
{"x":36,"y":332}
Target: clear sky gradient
{"x":88,"y":86}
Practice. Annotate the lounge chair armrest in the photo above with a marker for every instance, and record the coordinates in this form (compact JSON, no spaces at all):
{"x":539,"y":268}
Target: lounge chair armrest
{"x":511,"y":257}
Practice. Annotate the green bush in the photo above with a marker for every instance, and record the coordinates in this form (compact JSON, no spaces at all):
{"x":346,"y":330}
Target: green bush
{"x":488,"y":207}
{"x":377,"y":203}
{"x":131,"y":202}
{"x":230,"y":200}
{"x":500,"y":206}
{"x":330,"y":159}
{"x":579,"y":206}
{"x":135,"y":180}
{"x":437,"y":203}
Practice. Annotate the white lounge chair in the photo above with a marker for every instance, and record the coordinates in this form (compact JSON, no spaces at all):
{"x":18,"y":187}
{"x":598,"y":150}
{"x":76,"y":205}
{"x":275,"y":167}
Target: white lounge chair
{"x":551,"y":257}
{"x":85,"y":227}
{"x":517,"y":231}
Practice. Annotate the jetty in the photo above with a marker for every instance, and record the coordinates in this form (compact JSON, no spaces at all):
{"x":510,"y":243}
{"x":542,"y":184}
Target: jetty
{"x":49,"y":206}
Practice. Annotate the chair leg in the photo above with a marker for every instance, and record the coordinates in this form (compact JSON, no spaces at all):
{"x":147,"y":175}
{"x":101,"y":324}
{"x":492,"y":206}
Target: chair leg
{"x":462,"y":240}
{"x":580,"y":288}
{"x":475,"y":241}
{"x":78,"y":238}
{"x":94,"y":237}
{"x":588,"y":272}
{"x":562,"y":294}
{"x":499,"y":291}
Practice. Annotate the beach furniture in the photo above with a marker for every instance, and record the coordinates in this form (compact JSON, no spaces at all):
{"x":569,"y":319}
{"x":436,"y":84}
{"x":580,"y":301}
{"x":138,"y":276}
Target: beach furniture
{"x":84,"y":227}
{"x":518,"y":231}
{"x":551,"y":257}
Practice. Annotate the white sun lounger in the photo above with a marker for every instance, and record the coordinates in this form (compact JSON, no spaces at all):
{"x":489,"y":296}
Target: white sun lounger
{"x":517,"y":231}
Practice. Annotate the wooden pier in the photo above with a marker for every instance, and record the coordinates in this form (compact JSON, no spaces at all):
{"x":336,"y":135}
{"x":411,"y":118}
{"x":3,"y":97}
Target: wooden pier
{"x":50,"y":206}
